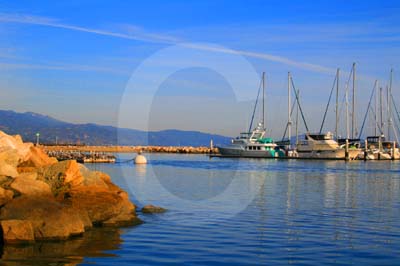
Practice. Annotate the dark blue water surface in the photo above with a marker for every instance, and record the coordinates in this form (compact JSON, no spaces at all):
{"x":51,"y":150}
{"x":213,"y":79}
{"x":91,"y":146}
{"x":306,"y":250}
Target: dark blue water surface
{"x":244,"y":212}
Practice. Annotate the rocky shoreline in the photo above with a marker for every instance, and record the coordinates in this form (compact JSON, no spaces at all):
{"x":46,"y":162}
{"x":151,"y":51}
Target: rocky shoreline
{"x":43,"y":199}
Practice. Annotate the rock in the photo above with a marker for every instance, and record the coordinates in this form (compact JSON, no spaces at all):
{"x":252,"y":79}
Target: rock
{"x":8,"y":142}
{"x":110,"y":205}
{"x":8,"y":170}
{"x":9,"y":157}
{"x":54,"y":200}
{"x":153,"y":209}
{"x":49,"y":219}
{"x":30,"y":187}
{"x":37,"y":158}
{"x":5,"y":196}
{"x":61,"y":176}
{"x":16,"y":231}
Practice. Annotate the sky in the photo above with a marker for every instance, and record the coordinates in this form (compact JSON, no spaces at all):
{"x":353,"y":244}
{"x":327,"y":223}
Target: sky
{"x":193,"y":65}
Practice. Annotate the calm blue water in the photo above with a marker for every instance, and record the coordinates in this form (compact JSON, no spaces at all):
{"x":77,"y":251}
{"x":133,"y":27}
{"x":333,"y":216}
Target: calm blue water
{"x":244,"y":212}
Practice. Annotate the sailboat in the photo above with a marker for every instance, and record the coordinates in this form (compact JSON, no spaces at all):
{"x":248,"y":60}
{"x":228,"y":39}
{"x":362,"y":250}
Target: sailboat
{"x":254,"y":143}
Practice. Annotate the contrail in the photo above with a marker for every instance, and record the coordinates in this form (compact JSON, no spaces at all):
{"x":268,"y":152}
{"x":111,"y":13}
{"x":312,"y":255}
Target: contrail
{"x":163,"y":39}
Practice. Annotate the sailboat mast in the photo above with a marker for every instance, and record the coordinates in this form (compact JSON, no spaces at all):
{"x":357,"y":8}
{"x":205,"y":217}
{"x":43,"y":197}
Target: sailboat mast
{"x":376,"y":108}
{"x":389,"y":93}
{"x":263,"y":99}
{"x":347,"y":113}
{"x":297,"y":119}
{"x":353,"y":118}
{"x":381,"y":108}
{"x":289,"y":109}
{"x":337,"y":103}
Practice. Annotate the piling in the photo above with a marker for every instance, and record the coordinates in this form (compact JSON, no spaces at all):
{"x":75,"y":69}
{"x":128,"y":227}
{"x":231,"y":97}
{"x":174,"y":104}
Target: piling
{"x":365,"y":149}
{"x":346,"y":153}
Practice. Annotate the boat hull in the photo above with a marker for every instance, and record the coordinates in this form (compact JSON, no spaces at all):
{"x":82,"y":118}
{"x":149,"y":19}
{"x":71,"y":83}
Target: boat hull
{"x":232,"y":152}
{"x":338,"y":154}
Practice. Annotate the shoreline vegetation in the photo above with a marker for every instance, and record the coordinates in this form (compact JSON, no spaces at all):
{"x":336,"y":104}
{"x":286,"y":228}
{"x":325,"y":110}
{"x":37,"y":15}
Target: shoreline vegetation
{"x":44,"y":199}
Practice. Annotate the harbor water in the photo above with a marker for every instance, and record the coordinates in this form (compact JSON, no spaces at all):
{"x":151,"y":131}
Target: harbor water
{"x":242,"y":212}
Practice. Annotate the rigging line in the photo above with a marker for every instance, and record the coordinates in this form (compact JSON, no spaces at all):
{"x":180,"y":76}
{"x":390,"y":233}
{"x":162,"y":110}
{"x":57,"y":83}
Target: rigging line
{"x":341,"y":108}
{"x":255,"y":107}
{"x":395,"y":108}
{"x":378,"y":124}
{"x":368,"y":107}
{"x":287,"y":124}
{"x":301,"y":109}
{"x":327,"y":106}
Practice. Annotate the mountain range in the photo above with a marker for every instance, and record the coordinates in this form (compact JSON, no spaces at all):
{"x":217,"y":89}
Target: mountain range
{"x":52,"y":130}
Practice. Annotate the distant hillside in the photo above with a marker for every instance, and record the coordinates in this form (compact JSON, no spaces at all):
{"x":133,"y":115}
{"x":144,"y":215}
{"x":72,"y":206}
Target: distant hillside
{"x":28,"y":124}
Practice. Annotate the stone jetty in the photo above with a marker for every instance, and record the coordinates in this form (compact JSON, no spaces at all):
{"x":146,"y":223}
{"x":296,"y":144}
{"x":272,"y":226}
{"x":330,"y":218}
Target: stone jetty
{"x":43,"y":199}
{"x":134,"y":149}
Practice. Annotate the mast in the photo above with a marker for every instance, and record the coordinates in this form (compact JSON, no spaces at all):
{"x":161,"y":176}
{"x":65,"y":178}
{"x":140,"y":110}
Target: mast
{"x":389,"y":93}
{"x":353,"y":118}
{"x":337,"y":103}
{"x":289,"y":109}
{"x":263,"y":100}
{"x":297,"y":119}
{"x":376,"y":108}
{"x":347,"y":113}
{"x":380,"y":108}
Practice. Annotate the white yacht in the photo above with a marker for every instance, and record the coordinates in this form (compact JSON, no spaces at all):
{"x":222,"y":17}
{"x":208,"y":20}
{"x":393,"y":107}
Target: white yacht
{"x":324,"y":146}
{"x":252,"y":145}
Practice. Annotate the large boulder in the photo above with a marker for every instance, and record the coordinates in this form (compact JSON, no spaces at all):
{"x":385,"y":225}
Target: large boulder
{"x":17,"y":231}
{"x":37,"y":158}
{"x":8,"y":142}
{"x":111,"y":208}
{"x":49,"y":219}
{"x":26,"y":185}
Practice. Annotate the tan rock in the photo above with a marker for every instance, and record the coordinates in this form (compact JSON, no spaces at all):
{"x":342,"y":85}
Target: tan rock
{"x":30,"y":187}
{"x":8,"y":170}
{"x":49,"y":219}
{"x":109,"y":204}
{"x":5,"y":196}
{"x":37,"y":158}
{"x":61,"y":176}
{"x":16,"y":231}
{"x":8,"y":142}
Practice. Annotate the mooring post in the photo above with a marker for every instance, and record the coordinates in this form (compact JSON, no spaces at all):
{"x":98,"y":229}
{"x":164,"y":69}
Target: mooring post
{"x":346,"y":152}
{"x":379,"y":148}
{"x":365,"y":149}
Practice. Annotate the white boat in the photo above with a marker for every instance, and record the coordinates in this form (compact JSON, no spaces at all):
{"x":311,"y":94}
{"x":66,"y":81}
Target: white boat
{"x":324,"y":146}
{"x":252,"y":145}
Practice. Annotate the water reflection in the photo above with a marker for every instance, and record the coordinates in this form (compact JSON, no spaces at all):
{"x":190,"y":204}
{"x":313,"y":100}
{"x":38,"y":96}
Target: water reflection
{"x":97,"y":242}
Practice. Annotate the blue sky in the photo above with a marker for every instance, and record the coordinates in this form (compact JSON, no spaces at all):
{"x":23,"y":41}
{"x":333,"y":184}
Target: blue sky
{"x":73,"y":60}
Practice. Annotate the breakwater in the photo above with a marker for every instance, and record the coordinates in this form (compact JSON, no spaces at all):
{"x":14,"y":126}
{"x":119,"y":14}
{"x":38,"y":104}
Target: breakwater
{"x":133,"y":149}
